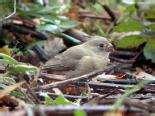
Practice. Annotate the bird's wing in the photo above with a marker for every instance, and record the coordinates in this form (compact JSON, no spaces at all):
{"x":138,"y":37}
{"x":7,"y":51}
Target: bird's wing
{"x":77,"y":52}
{"x":59,"y":64}
{"x":68,"y":59}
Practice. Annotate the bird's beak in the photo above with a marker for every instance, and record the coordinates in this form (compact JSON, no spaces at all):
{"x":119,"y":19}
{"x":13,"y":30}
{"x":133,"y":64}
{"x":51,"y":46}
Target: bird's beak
{"x":109,"y":48}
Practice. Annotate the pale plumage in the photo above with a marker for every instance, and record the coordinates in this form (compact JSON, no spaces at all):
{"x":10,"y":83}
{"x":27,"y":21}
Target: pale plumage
{"x":81,"y":59}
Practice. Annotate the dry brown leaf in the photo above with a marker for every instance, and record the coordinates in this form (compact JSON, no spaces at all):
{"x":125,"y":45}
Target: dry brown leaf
{"x":73,"y":12}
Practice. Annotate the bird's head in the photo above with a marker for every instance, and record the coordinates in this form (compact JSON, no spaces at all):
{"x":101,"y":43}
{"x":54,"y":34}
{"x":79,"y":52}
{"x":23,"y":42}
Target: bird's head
{"x":100,"y":44}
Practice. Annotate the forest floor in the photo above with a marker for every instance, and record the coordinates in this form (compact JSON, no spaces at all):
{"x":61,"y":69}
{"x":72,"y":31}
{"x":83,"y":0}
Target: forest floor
{"x":31,"y":83}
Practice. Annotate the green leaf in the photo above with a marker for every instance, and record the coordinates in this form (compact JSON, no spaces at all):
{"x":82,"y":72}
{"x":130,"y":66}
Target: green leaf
{"x":128,"y":25}
{"x":32,"y":10}
{"x":80,"y":112}
{"x":149,"y":50}
{"x":7,"y":59}
{"x":48,"y":100}
{"x":66,"y":24}
{"x":49,"y":28}
{"x":129,"y":42}
{"x":23,"y":69}
{"x":61,"y":100}
{"x":59,"y":24}
{"x":130,"y":9}
{"x":16,"y":67}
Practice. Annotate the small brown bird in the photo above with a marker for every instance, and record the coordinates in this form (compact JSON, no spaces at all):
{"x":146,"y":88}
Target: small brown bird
{"x":82,"y":59}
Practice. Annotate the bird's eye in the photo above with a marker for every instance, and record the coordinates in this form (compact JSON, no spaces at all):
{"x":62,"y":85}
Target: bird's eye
{"x":101,"y":45}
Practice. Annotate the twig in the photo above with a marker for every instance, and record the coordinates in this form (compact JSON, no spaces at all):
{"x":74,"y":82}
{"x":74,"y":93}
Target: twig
{"x":126,"y":81}
{"x":50,"y":77}
{"x":68,"y":96}
{"x":124,"y":53}
{"x":94,"y":16}
{"x":22,"y":22}
{"x":111,"y":13}
{"x":108,"y":85}
{"x":122,"y":60}
{"x":13,"y":13}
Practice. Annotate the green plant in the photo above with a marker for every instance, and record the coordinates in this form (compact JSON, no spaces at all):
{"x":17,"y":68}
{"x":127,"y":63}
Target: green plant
{"x":7,"y":8}
{"x":128,"y":92}
{"x":15,"y":67}
{"x":60,"y":100}
{"x":130,"y":23}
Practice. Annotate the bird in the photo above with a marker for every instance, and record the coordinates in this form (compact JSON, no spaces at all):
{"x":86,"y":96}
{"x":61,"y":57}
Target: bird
{"x":82,"y":59}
